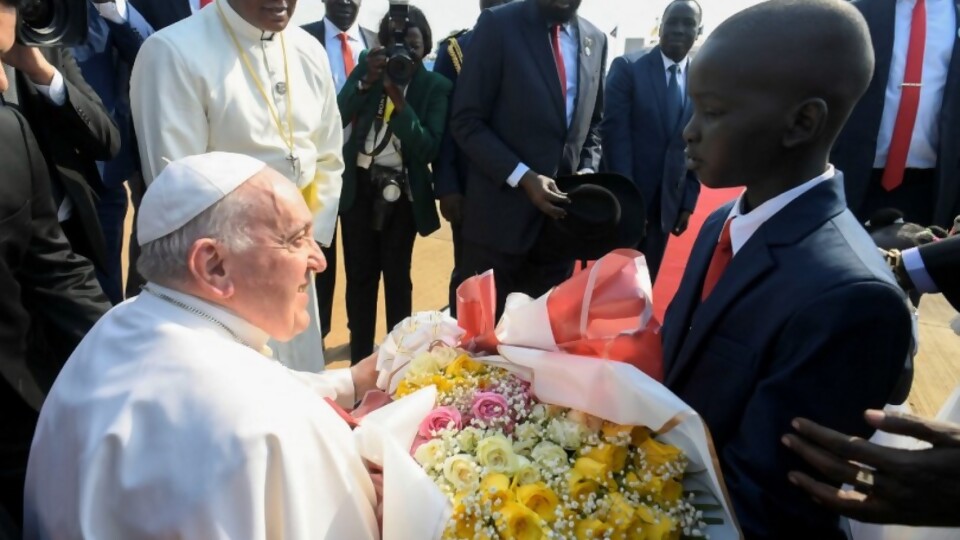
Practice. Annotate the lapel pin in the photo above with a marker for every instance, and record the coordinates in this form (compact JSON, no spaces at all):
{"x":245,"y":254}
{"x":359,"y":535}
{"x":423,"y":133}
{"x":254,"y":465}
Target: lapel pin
{"x":587,"y":43}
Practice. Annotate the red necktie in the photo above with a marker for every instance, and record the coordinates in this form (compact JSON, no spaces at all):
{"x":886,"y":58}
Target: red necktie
{"x":909,"y":100}
{"x":347,"y":52}
{"x":722,"y":255}
{"x":342,"y":413}
{"x":558,"y":56}
{"x":205,"y":3}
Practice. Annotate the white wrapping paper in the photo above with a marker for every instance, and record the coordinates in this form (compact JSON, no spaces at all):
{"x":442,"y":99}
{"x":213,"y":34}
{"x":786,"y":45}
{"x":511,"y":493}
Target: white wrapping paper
{"x":414,"y":507}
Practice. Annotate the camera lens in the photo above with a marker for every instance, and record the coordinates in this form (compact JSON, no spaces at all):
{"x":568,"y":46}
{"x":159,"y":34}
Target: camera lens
{"x":391,"y":192}
{"x":48,"y":23}
{"x":36,"y":13}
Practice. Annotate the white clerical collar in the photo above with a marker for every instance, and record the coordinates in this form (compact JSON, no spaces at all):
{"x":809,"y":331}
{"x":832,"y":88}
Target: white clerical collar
{"x":252,"y":335}
{"x":668,"y":62}
{"x":353,"y":33}
{"x":239,"y":24}
{"x":746,"y":224}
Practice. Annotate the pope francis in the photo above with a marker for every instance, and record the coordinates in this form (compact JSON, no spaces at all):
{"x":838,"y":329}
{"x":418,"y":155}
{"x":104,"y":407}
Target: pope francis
{"x":170,"y":420}
{"x":234,"y":78}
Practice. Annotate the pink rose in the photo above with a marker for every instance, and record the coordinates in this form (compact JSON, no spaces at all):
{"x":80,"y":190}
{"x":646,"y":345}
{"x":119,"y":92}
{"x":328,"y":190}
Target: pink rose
{"x":488,"y":406}
{"x":439,"y":419}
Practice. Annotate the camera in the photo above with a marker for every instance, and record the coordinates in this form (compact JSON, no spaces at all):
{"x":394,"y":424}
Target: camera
{"x":400,"y":64}
{"x":52,"y":23}
{"x":388,"y":185}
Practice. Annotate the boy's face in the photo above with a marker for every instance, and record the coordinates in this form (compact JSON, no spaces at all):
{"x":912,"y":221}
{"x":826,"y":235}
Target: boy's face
{"x":738,"y":121}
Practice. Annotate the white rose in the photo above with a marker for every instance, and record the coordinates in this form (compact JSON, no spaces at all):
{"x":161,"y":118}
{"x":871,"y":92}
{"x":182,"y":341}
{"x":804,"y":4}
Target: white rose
{"x":527,"y":436}
{"x":445,"y":356}
{"x":496,"y":454}
{"x":462,"y":471}
{"x":430,"y":454}
{"x":424,"y":363}
{"x":549,"y":453}
{"x":467,"y":439}
{"x":526,"y":473}
{"x":567,"y":433}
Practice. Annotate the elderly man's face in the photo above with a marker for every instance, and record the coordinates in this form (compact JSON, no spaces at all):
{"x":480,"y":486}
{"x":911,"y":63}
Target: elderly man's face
{"x":267,"y":15}
{"x":271,"y":277}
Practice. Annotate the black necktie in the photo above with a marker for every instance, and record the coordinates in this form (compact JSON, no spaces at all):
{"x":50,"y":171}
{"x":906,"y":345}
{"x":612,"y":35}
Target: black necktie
{"x":674,"y":99}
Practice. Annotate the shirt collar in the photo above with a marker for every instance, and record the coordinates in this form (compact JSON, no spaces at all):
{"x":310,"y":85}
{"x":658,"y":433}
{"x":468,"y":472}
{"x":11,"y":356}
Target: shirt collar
{"x":668,"y":62}
{"x":240,"y":26}
{"x":353,"y":33}
{"x":745,"y":225}
{"x":254,"y":336}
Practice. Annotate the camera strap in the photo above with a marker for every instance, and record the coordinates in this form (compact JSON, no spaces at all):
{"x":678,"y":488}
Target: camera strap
{"x":378,"y":122}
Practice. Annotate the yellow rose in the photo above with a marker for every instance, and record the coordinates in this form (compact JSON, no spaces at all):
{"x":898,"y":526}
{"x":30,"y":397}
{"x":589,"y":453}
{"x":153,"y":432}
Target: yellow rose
{"x":430,"y":453}
{"x":670,"y":493}
{"x":406,"y":387}
{"x":495,"y":489}
{"x":443,"y":384}
{"x":592,"y":469}
{"x":539,"y":498}
{"x":650,"y":485}
{"x":580,"y":487}
{"x":462,"y":366}
{"x":639,"y":435}
{"x":519,"y":522}
{"x":621,"y":513}
{"x":663,"y":528}
{"x":591,"y":529}
{"x":659,"y":456}
{"x":526,"y":473}
{"x":614,"y":457}
{"x":462,"y":471}
{"x":614,"y":431}
{"x":496,"y":454}
{"x":462,"y":524}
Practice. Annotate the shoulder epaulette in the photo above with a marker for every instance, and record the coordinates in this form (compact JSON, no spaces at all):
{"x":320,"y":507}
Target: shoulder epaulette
{"x":456,"y":54}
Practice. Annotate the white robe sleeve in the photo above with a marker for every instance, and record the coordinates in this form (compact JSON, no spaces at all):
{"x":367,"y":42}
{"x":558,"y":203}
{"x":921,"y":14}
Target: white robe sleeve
{"x":168,"y":106}
{"x":336,"y":384}
{"x":329,"y":143}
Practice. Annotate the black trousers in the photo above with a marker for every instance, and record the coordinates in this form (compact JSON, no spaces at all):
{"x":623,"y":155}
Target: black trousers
{"x":18,"y":425}
{"x":326,"y":282}
{"x":456,"y":277}
{"x":915,"y":197}
{"x":654,"y":243}
{"x":368,"y":254}
{"x":513,"y":272}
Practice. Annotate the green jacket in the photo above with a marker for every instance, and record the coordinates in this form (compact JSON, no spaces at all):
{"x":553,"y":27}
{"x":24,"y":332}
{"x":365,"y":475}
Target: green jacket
{"x":419,"y":127}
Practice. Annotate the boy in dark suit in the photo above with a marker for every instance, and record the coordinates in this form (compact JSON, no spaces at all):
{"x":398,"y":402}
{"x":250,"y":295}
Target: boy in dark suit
{"x":770,"y":322}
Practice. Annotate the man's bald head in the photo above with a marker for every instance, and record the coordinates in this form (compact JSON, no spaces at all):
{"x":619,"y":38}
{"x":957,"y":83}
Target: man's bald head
{"x":799,"y":48}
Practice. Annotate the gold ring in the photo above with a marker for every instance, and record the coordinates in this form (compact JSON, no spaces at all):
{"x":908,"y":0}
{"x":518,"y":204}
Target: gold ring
{"x":865,"y":478}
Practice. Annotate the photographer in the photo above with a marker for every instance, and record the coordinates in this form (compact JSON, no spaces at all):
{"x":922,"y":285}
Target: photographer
{"x":387,"y":193}
{"x":49,"y":297}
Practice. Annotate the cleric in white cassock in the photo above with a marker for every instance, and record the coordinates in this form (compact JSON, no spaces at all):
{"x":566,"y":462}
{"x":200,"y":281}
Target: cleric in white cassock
{"x":233,"y":78}
{"x":170,"y":420}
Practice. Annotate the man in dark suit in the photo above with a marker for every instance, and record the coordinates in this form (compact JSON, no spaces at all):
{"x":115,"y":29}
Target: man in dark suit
{"x":49,"y":296}
{"x":527,"y":108}
{"x":74,"y":131}
{"x":645,"y":110}
{"x":160,"y":14}
{"x":343,"y":40}
{"x":901,"y":147}
{"x":450,"y":167}
{"x":769,"y":322}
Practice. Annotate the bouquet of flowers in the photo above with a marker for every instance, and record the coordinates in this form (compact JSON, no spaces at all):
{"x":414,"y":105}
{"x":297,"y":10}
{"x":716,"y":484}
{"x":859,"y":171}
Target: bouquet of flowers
{"x":553,"y":425}
{"x":515,"y":467}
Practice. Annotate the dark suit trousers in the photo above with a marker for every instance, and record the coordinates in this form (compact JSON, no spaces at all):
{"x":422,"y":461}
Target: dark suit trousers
{"x":326,"y":282}
{"x":456,"y":277}
{"x":915,"y":197}
{"x":366,"y":255}
{"x":19,"y":423}
{"x":112,"y":209}
{"x":654,"y":243}
{"x":512,"y":272}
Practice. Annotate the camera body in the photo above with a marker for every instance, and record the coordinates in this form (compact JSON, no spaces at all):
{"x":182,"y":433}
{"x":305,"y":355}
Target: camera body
{"x":52,"y":23}
{"x":388,"y":186}
{"x":400,"y":63}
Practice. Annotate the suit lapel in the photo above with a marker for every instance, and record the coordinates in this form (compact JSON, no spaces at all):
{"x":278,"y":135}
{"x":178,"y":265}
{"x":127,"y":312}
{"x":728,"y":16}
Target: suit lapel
{"x":537,"y":37}
{"x":658,"y":82}
{"x":881,"y":16}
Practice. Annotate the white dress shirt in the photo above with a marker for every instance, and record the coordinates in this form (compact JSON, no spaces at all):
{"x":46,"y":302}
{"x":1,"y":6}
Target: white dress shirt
{"x":570,"y":49}
{"x":941,"y":33}
{"x":120,"y":12}
{"x":183,"y":432}
{"x":747,"y":224}
{"x":333,"y":46}
{"x":682,"y":67}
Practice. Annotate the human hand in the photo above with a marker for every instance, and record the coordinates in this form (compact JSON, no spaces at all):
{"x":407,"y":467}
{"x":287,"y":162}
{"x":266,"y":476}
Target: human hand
{"x":364,"y":375}
{"x":909,"y":487}
{"x":376,"y":64}
{"x":451,"y":208}
{"x":30,"y":62}
{"x":543,"y":193}
{"x":683,"y":221}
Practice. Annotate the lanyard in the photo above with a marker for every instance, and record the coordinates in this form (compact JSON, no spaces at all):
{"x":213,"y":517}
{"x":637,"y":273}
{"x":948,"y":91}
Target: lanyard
{"x":287,"y":137}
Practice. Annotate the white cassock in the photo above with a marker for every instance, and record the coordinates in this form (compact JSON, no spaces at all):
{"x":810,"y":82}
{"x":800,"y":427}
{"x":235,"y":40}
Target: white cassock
{"x":191,"y":93}
{"x":162,"y":425}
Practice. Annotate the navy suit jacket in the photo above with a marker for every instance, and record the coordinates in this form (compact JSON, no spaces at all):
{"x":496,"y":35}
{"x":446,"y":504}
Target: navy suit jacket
{"x":808,"y":321}
{"x":638,"y":143}
{"x":318,"y":30}
{"x":856,"y":148}
{"x":162,"y":13}
{"x":508,"y":108}
{"x":451,"y":166}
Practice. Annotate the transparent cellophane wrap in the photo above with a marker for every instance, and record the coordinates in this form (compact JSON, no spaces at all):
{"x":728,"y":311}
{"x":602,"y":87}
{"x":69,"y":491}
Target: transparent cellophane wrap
{"x":414,"y":508}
